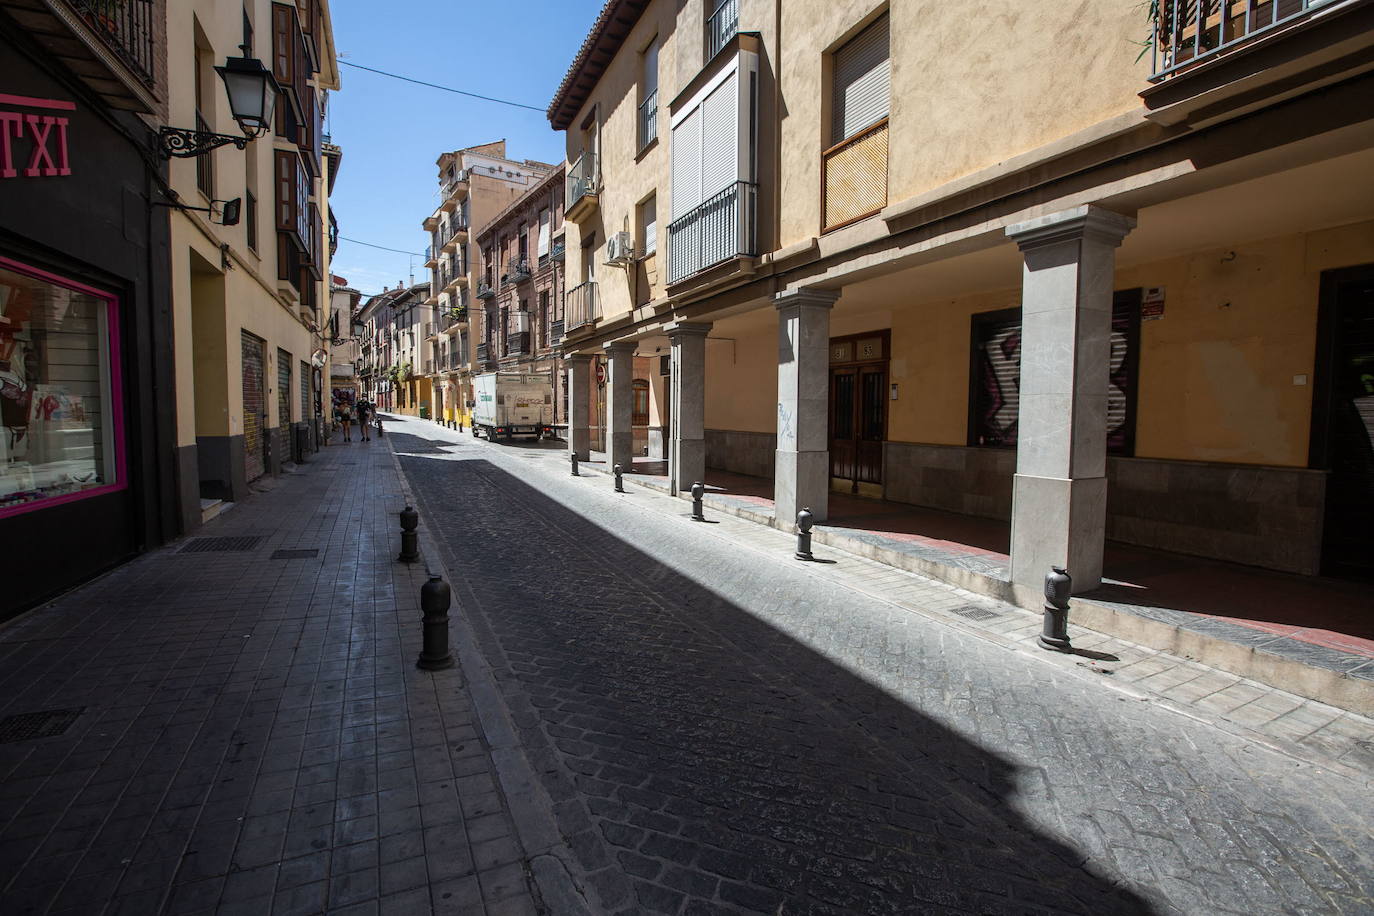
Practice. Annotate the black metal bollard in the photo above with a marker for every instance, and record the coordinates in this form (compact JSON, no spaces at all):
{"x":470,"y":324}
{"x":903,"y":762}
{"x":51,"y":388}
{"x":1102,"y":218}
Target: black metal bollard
{"x":572,"y":456}
{"x":619,"y":482}
{"x":804,"y":523}
{"x":1058,"y":586}
{"x":434,"y":601}
{"x":410,"y":540}
{"x":698,"y":490}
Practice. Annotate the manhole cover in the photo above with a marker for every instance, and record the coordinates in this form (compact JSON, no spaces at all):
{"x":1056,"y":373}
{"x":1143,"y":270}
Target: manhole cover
{"x":973,"y":612}
{"x":294,"y":554}
{"x":204,"y":545}
{"x":29,"y":725}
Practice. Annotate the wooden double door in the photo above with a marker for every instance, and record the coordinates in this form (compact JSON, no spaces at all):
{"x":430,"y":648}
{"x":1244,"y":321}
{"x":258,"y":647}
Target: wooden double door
{"x":858,"y":413}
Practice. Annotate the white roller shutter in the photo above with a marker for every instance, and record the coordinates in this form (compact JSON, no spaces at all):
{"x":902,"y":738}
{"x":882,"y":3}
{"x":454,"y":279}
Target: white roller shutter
{"x":650,"y":225}
{"x":543,"y":248}
{"x":862,"y":77}
{"x":651,"y":68}
{"x":686,"y":155}
{"x":720,"y":138}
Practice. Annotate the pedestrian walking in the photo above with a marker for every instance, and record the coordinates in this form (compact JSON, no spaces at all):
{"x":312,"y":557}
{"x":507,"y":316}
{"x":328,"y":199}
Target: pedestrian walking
{"x":345,"y":417}
{"x":364,"y":414}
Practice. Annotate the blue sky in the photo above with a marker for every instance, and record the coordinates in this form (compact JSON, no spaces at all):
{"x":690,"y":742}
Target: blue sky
{"x":391,"y":132}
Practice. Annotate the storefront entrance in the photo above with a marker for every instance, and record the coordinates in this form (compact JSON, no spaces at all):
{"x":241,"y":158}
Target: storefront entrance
{"x":858,"y":412}
{"x":1343,"y":420}
{"x":254,"y":409}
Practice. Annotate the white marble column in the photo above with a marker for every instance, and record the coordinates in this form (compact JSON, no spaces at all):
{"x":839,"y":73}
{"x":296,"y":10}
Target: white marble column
{"x":687,"y":405}
{"x":802,"y":461}
{"x":579,"y":409}
{"x":620,"y":367}
{"x":1059,"y":505}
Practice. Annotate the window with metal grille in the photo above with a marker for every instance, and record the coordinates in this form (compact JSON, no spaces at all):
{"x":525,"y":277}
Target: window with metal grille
{"x":251,"y":218}
{"x":854,"y":167}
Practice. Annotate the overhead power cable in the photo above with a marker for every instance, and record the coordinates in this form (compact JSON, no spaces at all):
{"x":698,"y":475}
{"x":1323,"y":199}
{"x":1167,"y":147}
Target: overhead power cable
{"x":344,"y":238}
{"x":474,"y":95}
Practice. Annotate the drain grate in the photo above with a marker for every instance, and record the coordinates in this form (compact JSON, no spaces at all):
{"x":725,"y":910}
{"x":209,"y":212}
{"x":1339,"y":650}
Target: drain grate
{"x":294,"y":554}
{"x":974,"y":612}
{"x":204,"y":545}
{"x":29,"y":725}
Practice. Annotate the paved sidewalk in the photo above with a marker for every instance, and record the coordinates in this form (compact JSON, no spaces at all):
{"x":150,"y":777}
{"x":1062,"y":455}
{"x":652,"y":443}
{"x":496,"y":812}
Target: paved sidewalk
{"x":723,"y":729}
{"x":250,"y":732}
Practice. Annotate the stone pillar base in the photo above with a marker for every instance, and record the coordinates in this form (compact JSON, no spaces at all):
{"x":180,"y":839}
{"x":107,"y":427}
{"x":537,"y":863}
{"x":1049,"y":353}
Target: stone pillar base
{"x":801,"y":480}
{"x":1058,"y":522}
{"x":690,"y":465}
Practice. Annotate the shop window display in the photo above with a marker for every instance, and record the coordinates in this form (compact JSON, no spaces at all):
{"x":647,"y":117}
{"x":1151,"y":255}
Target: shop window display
{"x":61,"y":438}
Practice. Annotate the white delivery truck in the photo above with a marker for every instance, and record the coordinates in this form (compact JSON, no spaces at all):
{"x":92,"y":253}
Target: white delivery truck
{"x":513,"y":404}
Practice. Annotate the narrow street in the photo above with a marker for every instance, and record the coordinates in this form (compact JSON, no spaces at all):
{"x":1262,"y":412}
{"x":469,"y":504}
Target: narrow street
{"x":721,"y":727}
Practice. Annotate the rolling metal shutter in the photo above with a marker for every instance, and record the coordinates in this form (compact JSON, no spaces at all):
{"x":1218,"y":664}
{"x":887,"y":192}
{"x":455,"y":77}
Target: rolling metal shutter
{"x":687,"y":164}
{"x":254,"y":408}
{"x":720,"y":138}
{"x":861,"y":82}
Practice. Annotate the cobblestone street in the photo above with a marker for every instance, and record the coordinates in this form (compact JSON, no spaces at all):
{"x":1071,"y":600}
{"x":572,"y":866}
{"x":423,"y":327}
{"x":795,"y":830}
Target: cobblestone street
{"x":718,"y":728}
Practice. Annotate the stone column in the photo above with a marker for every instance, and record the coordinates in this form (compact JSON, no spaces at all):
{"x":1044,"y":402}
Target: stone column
{"x":579,"y":405}
{"x":687,"y":405}
{"x":1059,"y":504}
{"x":620,"y":367}
{"x":802,"y":461}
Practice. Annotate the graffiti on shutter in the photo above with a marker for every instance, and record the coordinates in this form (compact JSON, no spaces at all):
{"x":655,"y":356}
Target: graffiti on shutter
{"x":283,"y":443}
{"x":254,"y":465}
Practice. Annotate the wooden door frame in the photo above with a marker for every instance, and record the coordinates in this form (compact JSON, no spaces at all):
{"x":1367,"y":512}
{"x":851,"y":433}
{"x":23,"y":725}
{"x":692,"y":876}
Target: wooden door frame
{"x":1324,"y":360}
{"x":857,"y":364}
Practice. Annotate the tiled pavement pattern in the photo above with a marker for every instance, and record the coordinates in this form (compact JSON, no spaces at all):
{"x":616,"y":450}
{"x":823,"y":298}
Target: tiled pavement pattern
{"x":722,"y":729}
{"x":256,"y":738}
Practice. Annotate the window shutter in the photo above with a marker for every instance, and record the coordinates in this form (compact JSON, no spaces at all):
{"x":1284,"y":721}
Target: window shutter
{"x":686,"y":156}
{"x":651,"y":68}
{"x":720,"y":138}
{"x":543,"y":233}
{"x":862,"y":74}
{"x":651,"y":225}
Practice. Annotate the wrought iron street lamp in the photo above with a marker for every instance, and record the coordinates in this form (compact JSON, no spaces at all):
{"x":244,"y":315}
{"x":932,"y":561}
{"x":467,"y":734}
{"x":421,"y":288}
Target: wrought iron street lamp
{"x":252,"y":94}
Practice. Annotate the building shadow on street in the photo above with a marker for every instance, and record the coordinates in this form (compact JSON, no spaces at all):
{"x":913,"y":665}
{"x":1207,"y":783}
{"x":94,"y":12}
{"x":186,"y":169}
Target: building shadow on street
{"x":692,"y":749}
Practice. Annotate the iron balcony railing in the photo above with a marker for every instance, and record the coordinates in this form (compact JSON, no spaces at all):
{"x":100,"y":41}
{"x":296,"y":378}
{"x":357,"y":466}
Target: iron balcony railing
{"x":519,"y":270}
{"x":582,"y":306}
{"x":556,"y":251}
{"x":1189,"y":31}
{"x":484,"y":289}
{"x":721,"y":27}
{"x":518,"y":343}
{"x":581,"y":179}
{"x":721,"y":228}
{"x":648,"y":119}
{"x":127,"y":27}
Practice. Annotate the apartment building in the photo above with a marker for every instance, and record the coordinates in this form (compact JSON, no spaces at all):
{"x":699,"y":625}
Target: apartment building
{"x":475,"y":184}
{"x":520,"y":289}
{"x":992,"y":263}
{"x":345,"y":343}
{"x":250,"y":299}
{"x":392,"y":326}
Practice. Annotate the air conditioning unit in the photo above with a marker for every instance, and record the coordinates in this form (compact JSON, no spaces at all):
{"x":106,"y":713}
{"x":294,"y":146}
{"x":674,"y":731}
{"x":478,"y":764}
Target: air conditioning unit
{"x":522,"y":322}
{"x":620,"y":249}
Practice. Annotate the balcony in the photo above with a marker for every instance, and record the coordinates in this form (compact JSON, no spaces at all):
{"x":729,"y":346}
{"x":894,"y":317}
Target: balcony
{"x":454,"y":282}
{"x":721,"y":27}
{"x":431,"y":330}
{"x":486,"y":356}
{"x":720,"y":229}
{"x":854,"y":177}
{"x":1188,"y":32}
{"x":517,"y":344}
{"x":648,"y":120}
{"x":429,"y":367}
{"x":484,"y":290}
{"x":454,"y":317}
{"x":518,"y":271}
{"x":431,"y":259}
{"x":582,"y":188}
{"x":582,"y":306}
{"x":557,"y":251}
{"x":454,"y":191}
